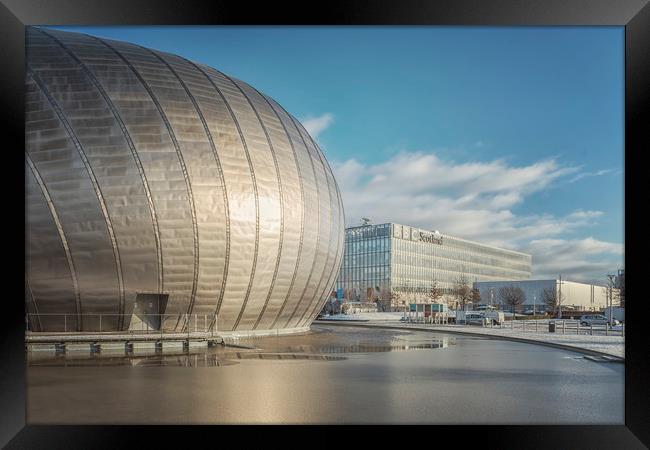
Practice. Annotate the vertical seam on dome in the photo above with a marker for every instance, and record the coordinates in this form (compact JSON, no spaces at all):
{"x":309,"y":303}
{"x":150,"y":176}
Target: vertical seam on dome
{"x":318,"y":201}
{"x":339,"y":255}
{"x":64,"y":240}
{"x":219,"y":168}
{"x":302,"y":202}
{"x":250,"y":166}
{"x":326,"y":289}
{"x":131,"y":145}
{"x":93,"y":179}
{"x":329,"y":284}
{"x":318,"y":292}
{"x":181,"y":161}
{"x":335,"y":265}
{"x":31,"y":295}
{"x":341,"y":245}
{"x":281,"y":201}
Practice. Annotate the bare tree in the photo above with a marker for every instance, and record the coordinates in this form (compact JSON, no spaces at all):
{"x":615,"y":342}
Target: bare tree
{"x":612,"y":293}
{"x":512,"y":296}
{"x":621,"y":293}
{"x":462,"y":291}
{"x":549,"y":298}
{"x":476,"y":296}
{"x":394,"y":298}
{"x":435,"y":293}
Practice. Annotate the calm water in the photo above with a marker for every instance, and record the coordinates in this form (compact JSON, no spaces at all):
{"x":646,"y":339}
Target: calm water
{"x":332,"y":375}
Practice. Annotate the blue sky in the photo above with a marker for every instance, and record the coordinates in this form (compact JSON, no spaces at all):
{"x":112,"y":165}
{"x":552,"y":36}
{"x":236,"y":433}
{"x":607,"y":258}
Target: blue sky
{"x":512,"y":136}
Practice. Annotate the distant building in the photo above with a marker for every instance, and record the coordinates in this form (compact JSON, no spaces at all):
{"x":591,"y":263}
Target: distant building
{"x":619,"y":282}
{"x":390,"y":258}
{"x":580,"y":296}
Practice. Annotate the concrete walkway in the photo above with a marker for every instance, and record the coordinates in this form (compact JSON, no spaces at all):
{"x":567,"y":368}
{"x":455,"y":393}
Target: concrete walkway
{"x":609,"y":346}
{"x":38,"y":338}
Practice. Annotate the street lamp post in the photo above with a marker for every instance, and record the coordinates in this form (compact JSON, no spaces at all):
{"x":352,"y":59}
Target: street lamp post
{"x":534,"y":300}
{"x":610,"y":298}
{"x":559,"y":299}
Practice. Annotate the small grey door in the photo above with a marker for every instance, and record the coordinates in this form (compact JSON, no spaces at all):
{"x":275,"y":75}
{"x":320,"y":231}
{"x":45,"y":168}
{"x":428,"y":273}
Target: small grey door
{"x":149,"y":308}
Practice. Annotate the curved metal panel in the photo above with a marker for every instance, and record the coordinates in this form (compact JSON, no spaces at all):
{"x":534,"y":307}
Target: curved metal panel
{"x":257,"y":310}
{"x":109,"y":155}
{"x":64,"y":175}
{"x":207,"y":179}
{"x":269,"y":193}
{"x":149,"y":76}
{"x":63,"y":119}
{"x":162,"y":168}
{"x":336,"y":253}
{"x":235,"y":305}
{"x":310,"y":231}
{"x":208,"y":191}
{"x":48,"y":262}
{"x":322,"y":242}
{"x":292,"y":205}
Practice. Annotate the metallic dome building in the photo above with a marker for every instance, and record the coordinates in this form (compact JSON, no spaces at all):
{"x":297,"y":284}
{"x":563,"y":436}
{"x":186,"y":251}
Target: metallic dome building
{"x":154,"y":184}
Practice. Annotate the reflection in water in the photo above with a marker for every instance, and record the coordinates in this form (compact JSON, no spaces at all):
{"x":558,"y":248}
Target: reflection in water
{"x":397,"y":347}
{"x":202,"y":359}
{"x":281,"y":348}
{"x":351,"y":375}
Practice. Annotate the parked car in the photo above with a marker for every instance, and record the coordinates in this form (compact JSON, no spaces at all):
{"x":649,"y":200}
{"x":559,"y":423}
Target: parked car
{"x":616,"y":312}
{"x":476,"y":319}
{"x":596,"y":319}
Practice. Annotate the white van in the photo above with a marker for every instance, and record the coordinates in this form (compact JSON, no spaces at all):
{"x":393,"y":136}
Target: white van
{"x":497,"y":317}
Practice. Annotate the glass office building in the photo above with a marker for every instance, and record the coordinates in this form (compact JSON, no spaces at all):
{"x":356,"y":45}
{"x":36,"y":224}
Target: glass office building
{"x":385,"y":258}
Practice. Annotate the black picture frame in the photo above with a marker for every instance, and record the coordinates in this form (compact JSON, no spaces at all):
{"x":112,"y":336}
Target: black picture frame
{"x":634,"y":15}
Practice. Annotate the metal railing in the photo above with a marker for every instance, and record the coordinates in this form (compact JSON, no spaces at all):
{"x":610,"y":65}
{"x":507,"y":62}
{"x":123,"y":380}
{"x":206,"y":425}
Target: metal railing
{"x":542,"y":326}
{"x":131,"y":323}
{"x":566,"y":327}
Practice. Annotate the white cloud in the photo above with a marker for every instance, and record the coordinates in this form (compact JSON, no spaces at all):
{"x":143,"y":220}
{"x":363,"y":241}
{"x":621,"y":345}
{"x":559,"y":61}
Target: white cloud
{"x":316,"y":125}
{"x":589,"y":174}
{"x":469,"y":199}
{"x":585,"y":259}
{"x":474,"y":200}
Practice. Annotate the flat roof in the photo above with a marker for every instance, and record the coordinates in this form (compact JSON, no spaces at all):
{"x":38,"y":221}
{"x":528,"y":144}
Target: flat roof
{"x":444,"y":235}
{"x":543,"y":280}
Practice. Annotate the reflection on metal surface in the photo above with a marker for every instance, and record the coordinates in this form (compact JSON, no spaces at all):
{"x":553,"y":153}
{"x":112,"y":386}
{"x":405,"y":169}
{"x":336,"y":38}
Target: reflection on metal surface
{"x":149,"y":175}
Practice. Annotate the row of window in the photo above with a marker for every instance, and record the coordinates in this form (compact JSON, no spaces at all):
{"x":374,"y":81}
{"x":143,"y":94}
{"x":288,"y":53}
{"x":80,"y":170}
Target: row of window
{"x":369,"y":231}
{"x":431,"y":260}
{"x":414,"y":254}
{"x":404,"y":233}
{"x":472,"y":271}
{"x":368,"y":245}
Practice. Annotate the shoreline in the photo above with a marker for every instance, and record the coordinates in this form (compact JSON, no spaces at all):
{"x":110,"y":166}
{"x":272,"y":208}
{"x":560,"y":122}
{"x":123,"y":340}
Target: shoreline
{"x":613,"y":354}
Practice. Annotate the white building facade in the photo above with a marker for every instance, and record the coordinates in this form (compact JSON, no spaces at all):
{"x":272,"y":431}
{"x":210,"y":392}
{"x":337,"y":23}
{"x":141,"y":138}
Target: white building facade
{"x":574,"y":295}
